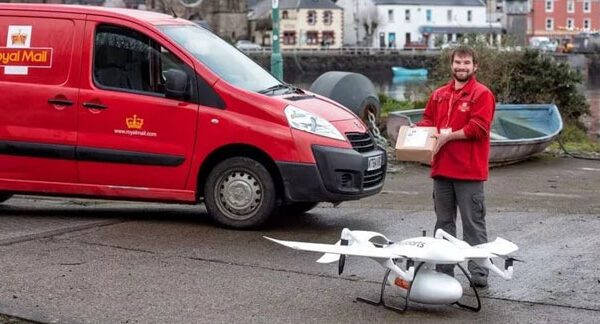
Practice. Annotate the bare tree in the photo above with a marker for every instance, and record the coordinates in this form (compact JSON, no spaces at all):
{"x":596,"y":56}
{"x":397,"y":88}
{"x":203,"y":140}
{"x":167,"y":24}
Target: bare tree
{"x":369,"y":19}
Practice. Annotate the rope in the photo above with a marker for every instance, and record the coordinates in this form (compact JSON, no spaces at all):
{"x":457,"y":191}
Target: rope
{"x":574,"y":155}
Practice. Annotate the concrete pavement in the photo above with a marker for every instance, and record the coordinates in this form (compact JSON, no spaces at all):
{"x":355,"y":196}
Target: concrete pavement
{"x":85,"y":261}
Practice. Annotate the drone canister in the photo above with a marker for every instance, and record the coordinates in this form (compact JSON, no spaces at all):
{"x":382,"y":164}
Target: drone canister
{"x":429,"y":287}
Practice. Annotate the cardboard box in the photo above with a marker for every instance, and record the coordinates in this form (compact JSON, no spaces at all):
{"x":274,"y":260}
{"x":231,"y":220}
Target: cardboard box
{"x":415,"y":144}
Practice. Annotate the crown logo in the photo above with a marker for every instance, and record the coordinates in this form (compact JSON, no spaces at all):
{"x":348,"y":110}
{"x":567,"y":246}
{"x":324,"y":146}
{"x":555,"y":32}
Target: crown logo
{"x":134,"y":122}
{"x":19,"y":38}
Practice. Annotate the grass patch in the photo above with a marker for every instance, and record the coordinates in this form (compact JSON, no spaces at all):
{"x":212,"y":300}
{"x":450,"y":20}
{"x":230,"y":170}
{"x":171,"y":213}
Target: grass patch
{"x":389,"y":104}
{"x":575,"y":140}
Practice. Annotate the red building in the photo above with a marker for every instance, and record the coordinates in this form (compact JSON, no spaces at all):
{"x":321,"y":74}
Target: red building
{"x":559,"y":19}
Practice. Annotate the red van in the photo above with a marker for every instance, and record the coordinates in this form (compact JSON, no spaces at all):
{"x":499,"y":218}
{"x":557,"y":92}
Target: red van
{"x":127,"y":104}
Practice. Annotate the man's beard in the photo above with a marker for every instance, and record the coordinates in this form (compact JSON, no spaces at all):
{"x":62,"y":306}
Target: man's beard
{"x":462,"y":79}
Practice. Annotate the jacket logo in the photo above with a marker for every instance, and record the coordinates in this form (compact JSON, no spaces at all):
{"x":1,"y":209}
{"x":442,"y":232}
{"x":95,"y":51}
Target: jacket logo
{"x":464,"y":107}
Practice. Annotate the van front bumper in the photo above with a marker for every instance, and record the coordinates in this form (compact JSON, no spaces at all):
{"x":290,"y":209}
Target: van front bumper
{"x":339,"y":175}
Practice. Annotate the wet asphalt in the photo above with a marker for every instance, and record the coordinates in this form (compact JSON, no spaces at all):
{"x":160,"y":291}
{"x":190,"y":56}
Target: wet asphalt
{"x":91,"y":261}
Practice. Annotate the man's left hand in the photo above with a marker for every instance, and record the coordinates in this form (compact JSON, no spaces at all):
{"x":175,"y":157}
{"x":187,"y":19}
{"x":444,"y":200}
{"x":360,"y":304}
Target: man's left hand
{"x":442,"y":139}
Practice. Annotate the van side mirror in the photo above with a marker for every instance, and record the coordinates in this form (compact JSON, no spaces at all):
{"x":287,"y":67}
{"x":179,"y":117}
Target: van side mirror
{"x":175,"y":83}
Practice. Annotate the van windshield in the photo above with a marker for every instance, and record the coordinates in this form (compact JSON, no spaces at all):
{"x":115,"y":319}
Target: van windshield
{"x":222,"y":58}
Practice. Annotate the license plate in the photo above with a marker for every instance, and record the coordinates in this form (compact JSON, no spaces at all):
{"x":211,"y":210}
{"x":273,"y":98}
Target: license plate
{"x":375,"y":162}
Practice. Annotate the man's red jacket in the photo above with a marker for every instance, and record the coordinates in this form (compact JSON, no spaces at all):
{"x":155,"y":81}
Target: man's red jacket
{"x":472,"y":109}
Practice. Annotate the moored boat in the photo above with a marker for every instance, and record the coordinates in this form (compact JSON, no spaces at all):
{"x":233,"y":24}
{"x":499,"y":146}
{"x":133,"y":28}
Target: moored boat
{"x":402,"y":71}
{"x":518,"y":132}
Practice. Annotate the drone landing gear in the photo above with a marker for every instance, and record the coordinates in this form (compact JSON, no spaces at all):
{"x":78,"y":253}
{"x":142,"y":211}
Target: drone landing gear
{"x":471,"y":308}
{"x":381,"y":301}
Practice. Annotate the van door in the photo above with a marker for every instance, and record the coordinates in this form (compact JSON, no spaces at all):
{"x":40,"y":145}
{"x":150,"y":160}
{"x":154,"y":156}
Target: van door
{"x":39,"y":71}
{"x":132,"y":131}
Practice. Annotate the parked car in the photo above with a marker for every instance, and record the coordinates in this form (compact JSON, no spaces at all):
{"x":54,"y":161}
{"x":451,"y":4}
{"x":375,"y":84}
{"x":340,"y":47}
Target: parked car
{"x":137,"y":105}
{"x":247,"y":45}
{"x":543,"y":44}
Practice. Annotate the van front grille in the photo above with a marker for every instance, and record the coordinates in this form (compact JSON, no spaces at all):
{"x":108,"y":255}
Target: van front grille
{"x":361,"y":142}
{"x":373,"y":178}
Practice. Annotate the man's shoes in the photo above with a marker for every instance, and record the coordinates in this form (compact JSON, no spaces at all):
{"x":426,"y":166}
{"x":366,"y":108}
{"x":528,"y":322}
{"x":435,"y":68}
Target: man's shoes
{"x":479,"y":281}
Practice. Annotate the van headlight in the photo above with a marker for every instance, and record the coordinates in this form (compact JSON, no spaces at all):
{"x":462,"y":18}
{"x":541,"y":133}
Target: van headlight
{"x":309,"y":122}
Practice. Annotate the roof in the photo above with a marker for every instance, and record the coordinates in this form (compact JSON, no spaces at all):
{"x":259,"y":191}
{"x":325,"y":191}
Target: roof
{"x":263,"y":7}
{"x":149,"y":17}
{"x":471,"y":3}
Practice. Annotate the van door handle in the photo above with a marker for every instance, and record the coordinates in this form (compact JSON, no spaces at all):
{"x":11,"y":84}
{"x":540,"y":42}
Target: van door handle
{"x":60,"y":102}
{"x":92,"y":105}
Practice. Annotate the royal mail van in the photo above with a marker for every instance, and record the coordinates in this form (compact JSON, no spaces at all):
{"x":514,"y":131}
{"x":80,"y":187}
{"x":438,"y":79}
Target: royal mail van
{"x":126,"y":104}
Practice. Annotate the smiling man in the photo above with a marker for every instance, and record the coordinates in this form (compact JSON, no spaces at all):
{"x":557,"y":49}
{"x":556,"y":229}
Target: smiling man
{"x":462,"y":110}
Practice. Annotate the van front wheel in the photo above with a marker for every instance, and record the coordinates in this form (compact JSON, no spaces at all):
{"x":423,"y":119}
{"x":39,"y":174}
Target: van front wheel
{"x":240,"y":193}
{"x":4,"y":196}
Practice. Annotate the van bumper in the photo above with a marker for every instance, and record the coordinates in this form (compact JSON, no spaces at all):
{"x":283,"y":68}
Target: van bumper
{"x":339,"y":175}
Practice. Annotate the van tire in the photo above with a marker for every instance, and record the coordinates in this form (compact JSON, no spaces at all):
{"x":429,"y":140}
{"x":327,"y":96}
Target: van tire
{"x":296,"y":208}
{"x":4,"y":196}
{"x":240,"y":193}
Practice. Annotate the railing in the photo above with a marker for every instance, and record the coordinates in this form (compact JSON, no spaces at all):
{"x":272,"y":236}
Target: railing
{"x":345,"y":51}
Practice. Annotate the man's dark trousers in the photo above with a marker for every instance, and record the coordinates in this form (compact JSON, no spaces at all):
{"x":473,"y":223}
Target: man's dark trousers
{"x":468,"y":196}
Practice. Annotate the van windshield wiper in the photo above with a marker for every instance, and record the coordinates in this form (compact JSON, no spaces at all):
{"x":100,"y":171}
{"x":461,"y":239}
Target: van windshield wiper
{"x":281,"y":86}
{"x":274,"y":88}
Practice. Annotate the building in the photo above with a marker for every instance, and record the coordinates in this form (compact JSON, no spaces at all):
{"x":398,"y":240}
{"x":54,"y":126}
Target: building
{"x":304,"y":24}
{"x":515,"y":18}
{"x":430,"y":23}
{"x":226,"y":18}
{"x":559,"y":19}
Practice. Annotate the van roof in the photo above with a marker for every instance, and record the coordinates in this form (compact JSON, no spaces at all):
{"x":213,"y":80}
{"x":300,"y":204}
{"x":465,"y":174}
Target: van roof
{"x":150,"y":17}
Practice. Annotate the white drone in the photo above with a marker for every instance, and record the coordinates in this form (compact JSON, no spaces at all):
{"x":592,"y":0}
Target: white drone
{"x":419,"y":282}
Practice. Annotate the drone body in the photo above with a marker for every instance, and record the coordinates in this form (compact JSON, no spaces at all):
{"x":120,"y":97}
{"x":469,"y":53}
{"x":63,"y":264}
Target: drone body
{"x":417,"y":281}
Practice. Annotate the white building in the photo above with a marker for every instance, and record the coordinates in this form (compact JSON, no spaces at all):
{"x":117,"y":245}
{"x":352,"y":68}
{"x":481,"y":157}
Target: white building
{"x":306,"y":24}
{"x":429,"y":23}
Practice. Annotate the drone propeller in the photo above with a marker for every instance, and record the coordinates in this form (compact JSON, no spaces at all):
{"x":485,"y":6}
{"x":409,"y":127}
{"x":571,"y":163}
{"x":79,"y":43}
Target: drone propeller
{"x":342,"y":260}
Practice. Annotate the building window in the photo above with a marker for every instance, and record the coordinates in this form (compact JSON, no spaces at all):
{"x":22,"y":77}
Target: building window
{"x":549,"y":24}
{"x":549,"y":5}
{"x":571,"y":6}
{"x":311,"y":19}
{"x":391,"y":15}
{"x":289,"y":38}
{"x":327,"y":17}
{"x":570,"y":24}
{"x":469,"y":15}
{"x":328,"y":38}
{"x":428,"y":15}
{"x":407,"y":15}
{"x":586,"y":6}
{"x":312,"y":37}
{"x":284,"y":14}
{"x":449,"y":15}
{"x":586,"y":25}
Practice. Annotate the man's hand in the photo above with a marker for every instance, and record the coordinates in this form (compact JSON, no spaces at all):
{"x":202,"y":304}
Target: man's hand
{"x":442,"y":139}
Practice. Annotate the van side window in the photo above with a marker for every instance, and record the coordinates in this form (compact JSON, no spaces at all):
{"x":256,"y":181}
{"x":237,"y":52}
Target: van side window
{"x":126,"y":60}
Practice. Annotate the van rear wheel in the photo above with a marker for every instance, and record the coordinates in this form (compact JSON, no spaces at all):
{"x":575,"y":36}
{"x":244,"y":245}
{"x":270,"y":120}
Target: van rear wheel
{"x":240,"y":193}
{"x":4,"y":196}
